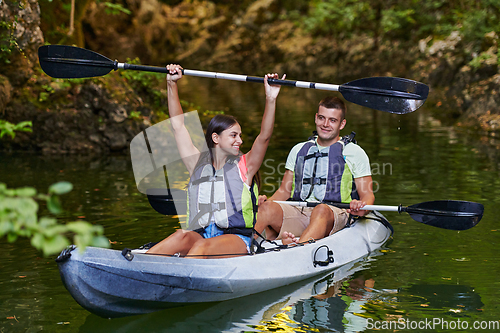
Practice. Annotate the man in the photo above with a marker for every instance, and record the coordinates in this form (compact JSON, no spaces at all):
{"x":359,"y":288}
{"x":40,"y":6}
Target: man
{"x":322,"y":170}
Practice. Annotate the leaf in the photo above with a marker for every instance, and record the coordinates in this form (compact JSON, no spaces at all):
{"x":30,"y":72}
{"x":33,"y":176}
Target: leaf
{"x":26,"y":192}
{"x":55,"y":230}
{"x":25,"y":206}
{"x":79,"y":227}
{"x":82,"y":241}
{"x":100,"y":241}
{"x":5,"y":227}
{"x":46,"y":222}
{"x":60,"y":188}
{"x":37,"y":241}
{"x":54,"y":205}
{"x":24,"y":126}
{"x":54,"y":244}
{"x":11,"y":237}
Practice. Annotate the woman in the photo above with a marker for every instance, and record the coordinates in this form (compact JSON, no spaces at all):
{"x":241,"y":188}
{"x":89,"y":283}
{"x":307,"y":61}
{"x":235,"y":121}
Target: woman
{"x":221,"y":191}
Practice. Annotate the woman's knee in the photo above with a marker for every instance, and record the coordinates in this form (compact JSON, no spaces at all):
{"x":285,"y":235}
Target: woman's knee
{"x":182,"y":236}
{"x":200,"y":247}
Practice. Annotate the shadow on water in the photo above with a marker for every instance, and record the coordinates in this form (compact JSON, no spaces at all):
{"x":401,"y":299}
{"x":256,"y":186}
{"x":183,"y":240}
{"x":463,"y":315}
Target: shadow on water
{"x":444,"y":297}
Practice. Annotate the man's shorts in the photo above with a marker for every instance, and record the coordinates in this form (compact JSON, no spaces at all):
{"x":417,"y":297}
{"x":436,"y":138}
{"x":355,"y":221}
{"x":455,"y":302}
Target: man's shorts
{"x":296,"y":219}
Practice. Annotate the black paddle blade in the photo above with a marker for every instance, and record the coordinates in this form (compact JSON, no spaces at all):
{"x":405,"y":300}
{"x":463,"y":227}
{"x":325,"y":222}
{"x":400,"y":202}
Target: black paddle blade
{"x":162,"y":200}
{"x":69,"y":62}
{"x":447,"y":214}
{"x":389,"y":94}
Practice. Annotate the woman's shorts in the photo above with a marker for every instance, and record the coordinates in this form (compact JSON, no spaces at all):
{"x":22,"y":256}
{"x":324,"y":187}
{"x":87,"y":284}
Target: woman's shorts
{"x":212,"y":230}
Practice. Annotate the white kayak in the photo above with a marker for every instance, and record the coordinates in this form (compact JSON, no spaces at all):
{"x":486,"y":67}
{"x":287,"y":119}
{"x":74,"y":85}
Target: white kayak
{"x":112,"y":283}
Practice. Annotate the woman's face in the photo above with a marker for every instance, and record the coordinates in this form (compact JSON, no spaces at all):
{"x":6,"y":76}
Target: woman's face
{"x":229,"y":140}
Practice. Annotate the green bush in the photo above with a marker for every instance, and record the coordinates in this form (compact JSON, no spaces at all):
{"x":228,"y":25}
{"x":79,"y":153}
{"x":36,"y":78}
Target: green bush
{"x":402,"y":19}
{"x":19,"y":218}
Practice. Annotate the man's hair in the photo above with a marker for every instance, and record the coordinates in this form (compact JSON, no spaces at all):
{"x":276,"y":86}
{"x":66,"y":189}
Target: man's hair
{"x":333,"y":102}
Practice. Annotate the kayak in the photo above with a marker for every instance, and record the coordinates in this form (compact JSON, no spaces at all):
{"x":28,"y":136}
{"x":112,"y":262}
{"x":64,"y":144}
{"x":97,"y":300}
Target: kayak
{"x":113,"y":283}
{"x":273,"y":308}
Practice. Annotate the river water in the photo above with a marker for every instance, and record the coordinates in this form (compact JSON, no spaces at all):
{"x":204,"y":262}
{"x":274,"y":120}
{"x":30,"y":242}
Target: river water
{"x":424,"y":276}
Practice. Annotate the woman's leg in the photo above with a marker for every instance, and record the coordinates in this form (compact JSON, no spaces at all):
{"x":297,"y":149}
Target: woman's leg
{"x":180,"y":241}
{"x":224,"y":246}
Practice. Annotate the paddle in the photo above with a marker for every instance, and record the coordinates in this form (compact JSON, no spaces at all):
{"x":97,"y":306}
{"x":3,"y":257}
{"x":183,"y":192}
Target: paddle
{"x":446,"y":214}
{"x":389,"y":94}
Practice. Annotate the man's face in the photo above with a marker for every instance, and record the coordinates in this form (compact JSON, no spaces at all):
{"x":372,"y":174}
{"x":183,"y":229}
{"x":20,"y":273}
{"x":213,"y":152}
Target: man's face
{"x":329,"y":122}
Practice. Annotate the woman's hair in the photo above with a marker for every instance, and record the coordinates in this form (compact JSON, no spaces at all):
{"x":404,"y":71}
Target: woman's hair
{"x":218,"y":124}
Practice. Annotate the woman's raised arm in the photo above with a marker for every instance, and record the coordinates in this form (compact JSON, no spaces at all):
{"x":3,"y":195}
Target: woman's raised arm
{"x":188,"y":152}
{"x":255,"y":156}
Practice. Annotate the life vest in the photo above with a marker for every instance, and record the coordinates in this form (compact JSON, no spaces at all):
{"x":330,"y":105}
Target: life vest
{"x":223,"y":197}
{"x":324,"y":174}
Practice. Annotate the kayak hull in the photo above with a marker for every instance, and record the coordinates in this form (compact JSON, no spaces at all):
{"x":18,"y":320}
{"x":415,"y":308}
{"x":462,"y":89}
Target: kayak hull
{"x":104,"y":282}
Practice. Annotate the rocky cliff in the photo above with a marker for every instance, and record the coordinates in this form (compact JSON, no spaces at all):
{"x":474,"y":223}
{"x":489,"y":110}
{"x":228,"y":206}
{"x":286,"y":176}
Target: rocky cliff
{"x":203,"y":35}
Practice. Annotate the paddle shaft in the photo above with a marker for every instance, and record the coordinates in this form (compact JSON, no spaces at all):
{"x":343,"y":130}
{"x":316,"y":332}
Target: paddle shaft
{"x":340,"y":205}
{"x":290,"y":83}
{"x":382,"y":208}
{"x":233,"y":77}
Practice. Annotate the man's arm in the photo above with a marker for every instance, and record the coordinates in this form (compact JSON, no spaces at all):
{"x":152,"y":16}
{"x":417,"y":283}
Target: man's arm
{"x":284,"y":191}
{"x":364,"y":187}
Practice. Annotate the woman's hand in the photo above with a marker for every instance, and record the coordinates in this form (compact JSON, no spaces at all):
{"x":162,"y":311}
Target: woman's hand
{"x":174,"y":72}
{"x":272,"y":91}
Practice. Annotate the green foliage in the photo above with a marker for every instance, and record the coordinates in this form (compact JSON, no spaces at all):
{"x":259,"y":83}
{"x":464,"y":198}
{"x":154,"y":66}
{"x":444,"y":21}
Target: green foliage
{"x":145,"y":82}
{"x":55,"y":86}
{"x":479,"y":22}
{"x":402,"y":19}
{"x":8,"y":42}
{"x":394,"y":20}
{"x":141,"y":78}
{"x":478,"y":61}
{"x":115,"y":8}
{"x":19,"y":218}
{"x":9,"y":128}
{"x":338,"y":17}
{"x":135,"y":115}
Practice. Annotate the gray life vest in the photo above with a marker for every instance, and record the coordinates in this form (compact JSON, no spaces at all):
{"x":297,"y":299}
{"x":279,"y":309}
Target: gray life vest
{"x":221,"y":196}
{"x":324,"y":174}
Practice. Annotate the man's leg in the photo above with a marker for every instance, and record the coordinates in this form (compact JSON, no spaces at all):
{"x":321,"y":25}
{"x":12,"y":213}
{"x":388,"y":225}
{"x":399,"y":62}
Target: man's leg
{"x":269,"y":218}
{"x":321,"y":223}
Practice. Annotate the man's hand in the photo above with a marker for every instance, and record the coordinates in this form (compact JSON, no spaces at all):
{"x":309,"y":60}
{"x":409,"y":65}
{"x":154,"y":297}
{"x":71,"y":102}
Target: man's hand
{"x":261,"y":199}
{"x":355,"y":208}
